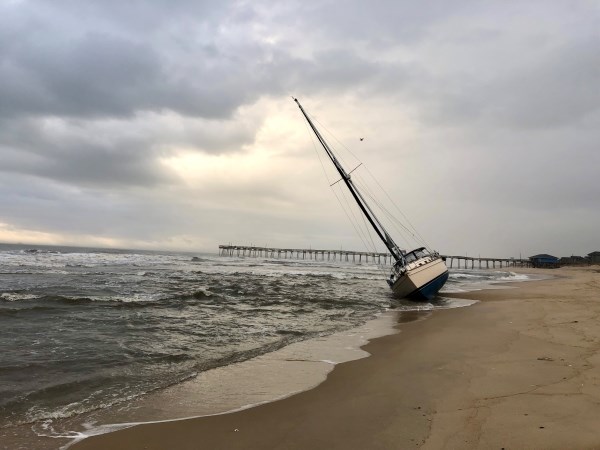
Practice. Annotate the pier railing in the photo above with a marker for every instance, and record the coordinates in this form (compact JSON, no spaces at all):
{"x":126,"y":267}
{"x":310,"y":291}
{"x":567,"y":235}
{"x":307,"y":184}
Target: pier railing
{"x":305,"y":253}
{"x":463,"y":262}
{"x":484,"y":263}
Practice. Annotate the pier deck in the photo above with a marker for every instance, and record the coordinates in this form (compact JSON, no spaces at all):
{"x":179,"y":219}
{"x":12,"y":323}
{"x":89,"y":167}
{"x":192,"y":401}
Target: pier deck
{"x":362,"y":257}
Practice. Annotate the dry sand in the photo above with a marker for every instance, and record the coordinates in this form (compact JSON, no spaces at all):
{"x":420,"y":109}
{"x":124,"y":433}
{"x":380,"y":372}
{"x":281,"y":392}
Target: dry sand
{"x":520,"y":369}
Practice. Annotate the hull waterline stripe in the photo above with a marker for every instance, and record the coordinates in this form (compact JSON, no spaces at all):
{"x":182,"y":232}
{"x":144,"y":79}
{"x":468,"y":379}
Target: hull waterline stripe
{"x":419,"y":293}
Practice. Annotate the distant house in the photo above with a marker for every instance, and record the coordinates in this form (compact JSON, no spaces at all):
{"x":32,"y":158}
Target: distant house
{"x":594,"y":258}
{"x":573,"y":260}
{"x":544,"y":260}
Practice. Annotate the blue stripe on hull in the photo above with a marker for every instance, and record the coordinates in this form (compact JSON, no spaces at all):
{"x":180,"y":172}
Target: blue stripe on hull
{"x":429,"y":290}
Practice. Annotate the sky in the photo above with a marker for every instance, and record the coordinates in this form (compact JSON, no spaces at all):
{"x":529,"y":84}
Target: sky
{"x":170,"y":124}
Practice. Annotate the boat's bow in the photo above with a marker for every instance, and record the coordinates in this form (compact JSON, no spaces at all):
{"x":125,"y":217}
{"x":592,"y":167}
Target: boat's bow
{"x":421,"y":277}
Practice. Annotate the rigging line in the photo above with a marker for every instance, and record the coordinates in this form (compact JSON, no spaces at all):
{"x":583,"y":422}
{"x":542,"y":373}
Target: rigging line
{"x":380,"y":186}
{"x":414,"y":230}
{"x":388,"y":213}
{"x":369,"y":233}
{"x":354,"y":168}
{"x":357,"y":227}
{"x":363,"y":205}
{"x":407,"y":236}
{"x":358,"y":230}
{"x":368,"y":228}
{"x":365,"y":187}
{"x":348,"y":174}
{"x":377,"y":182}
{"x":316,"y":151}
{"x":373,"y":247}
{"x":363,"y":229}
{"x":414,"y":238}
{"x":336,"y":139}
{"x":407,"y":239}
{"x":397,"y":208}
{"x":354,"y":222}
{"x":339,"y":156}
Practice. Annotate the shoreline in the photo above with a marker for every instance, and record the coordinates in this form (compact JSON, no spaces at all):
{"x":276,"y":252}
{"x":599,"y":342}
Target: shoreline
{"x":277,"y":375}
{"x":270,"y":377}
{"x":457,"y":379}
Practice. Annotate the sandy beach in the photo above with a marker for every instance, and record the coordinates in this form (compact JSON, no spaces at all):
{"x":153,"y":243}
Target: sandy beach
{"x":520,"y":369}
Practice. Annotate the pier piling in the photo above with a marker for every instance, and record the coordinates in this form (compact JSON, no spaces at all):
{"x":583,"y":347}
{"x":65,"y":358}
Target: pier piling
{"x":357,"y":257}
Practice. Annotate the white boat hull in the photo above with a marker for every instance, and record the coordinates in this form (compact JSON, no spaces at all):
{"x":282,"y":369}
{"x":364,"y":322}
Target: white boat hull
{"x":421,"y":282}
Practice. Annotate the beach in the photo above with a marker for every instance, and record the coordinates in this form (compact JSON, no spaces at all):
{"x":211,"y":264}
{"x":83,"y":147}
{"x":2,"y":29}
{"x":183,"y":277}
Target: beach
{"x":519,"y":369}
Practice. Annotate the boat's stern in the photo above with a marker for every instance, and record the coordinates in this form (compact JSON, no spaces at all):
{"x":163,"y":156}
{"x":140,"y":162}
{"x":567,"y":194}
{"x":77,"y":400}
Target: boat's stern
{"x":421,"y":280}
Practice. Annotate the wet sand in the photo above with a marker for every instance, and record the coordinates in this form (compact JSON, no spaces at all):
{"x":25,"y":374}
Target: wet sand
{"x":520,"y":369}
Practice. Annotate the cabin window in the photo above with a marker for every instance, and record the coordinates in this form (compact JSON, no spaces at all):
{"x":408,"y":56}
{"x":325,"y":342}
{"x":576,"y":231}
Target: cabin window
{"x":415,"y":254}
{"x":421,"y":253}
{"x":410,"y":257}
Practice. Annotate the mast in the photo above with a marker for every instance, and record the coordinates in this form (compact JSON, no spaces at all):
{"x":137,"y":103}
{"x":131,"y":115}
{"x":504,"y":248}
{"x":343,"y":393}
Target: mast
{"x":363,"y":205}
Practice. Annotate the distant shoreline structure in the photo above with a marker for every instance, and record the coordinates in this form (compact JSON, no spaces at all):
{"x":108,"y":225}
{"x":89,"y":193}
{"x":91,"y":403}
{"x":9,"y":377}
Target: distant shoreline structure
{"x":242,"y":251}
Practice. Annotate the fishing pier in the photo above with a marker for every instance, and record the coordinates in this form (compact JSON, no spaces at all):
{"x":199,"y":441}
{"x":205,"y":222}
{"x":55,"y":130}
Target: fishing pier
{"x":304,"y":253}
{"x":458,"y":262}
{"x":484,"y":263}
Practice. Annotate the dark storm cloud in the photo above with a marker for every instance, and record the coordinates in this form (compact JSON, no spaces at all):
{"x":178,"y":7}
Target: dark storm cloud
{"x":96,"y":75}
{"x":201,"y":59}
{"x":377,"y":24}
{"x":85,"y":62}
{"x":553,"y":173}
{"x":105,"y":75}
{"x":110,"y":153}
{"x":93,"y":61}
{"x":98,"y":59}
{"x":28,"y":147}
{"x":327,"y":71}
{"x":113,"y":59}
{"x":555,"y":89}
{"x":561,"y":90}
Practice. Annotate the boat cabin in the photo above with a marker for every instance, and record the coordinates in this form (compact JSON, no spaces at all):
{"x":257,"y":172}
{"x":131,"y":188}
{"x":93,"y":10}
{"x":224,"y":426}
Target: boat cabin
{"x":416,"y":254}
{"x":410,"y":257}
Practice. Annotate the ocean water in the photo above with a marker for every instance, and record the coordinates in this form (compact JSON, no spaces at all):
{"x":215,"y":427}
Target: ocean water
{"x":87,"y":329}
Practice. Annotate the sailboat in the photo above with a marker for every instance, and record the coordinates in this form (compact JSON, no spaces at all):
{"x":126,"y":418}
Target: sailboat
{"x":416,"y":275}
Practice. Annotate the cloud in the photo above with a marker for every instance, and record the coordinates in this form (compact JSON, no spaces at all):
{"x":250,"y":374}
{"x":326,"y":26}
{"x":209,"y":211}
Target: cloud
{"x":101,"y":59}
{"x":98,"y":59}
{"x":163,"y":123}
{"x":114,"y":152}
{"x":555,"y":89}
